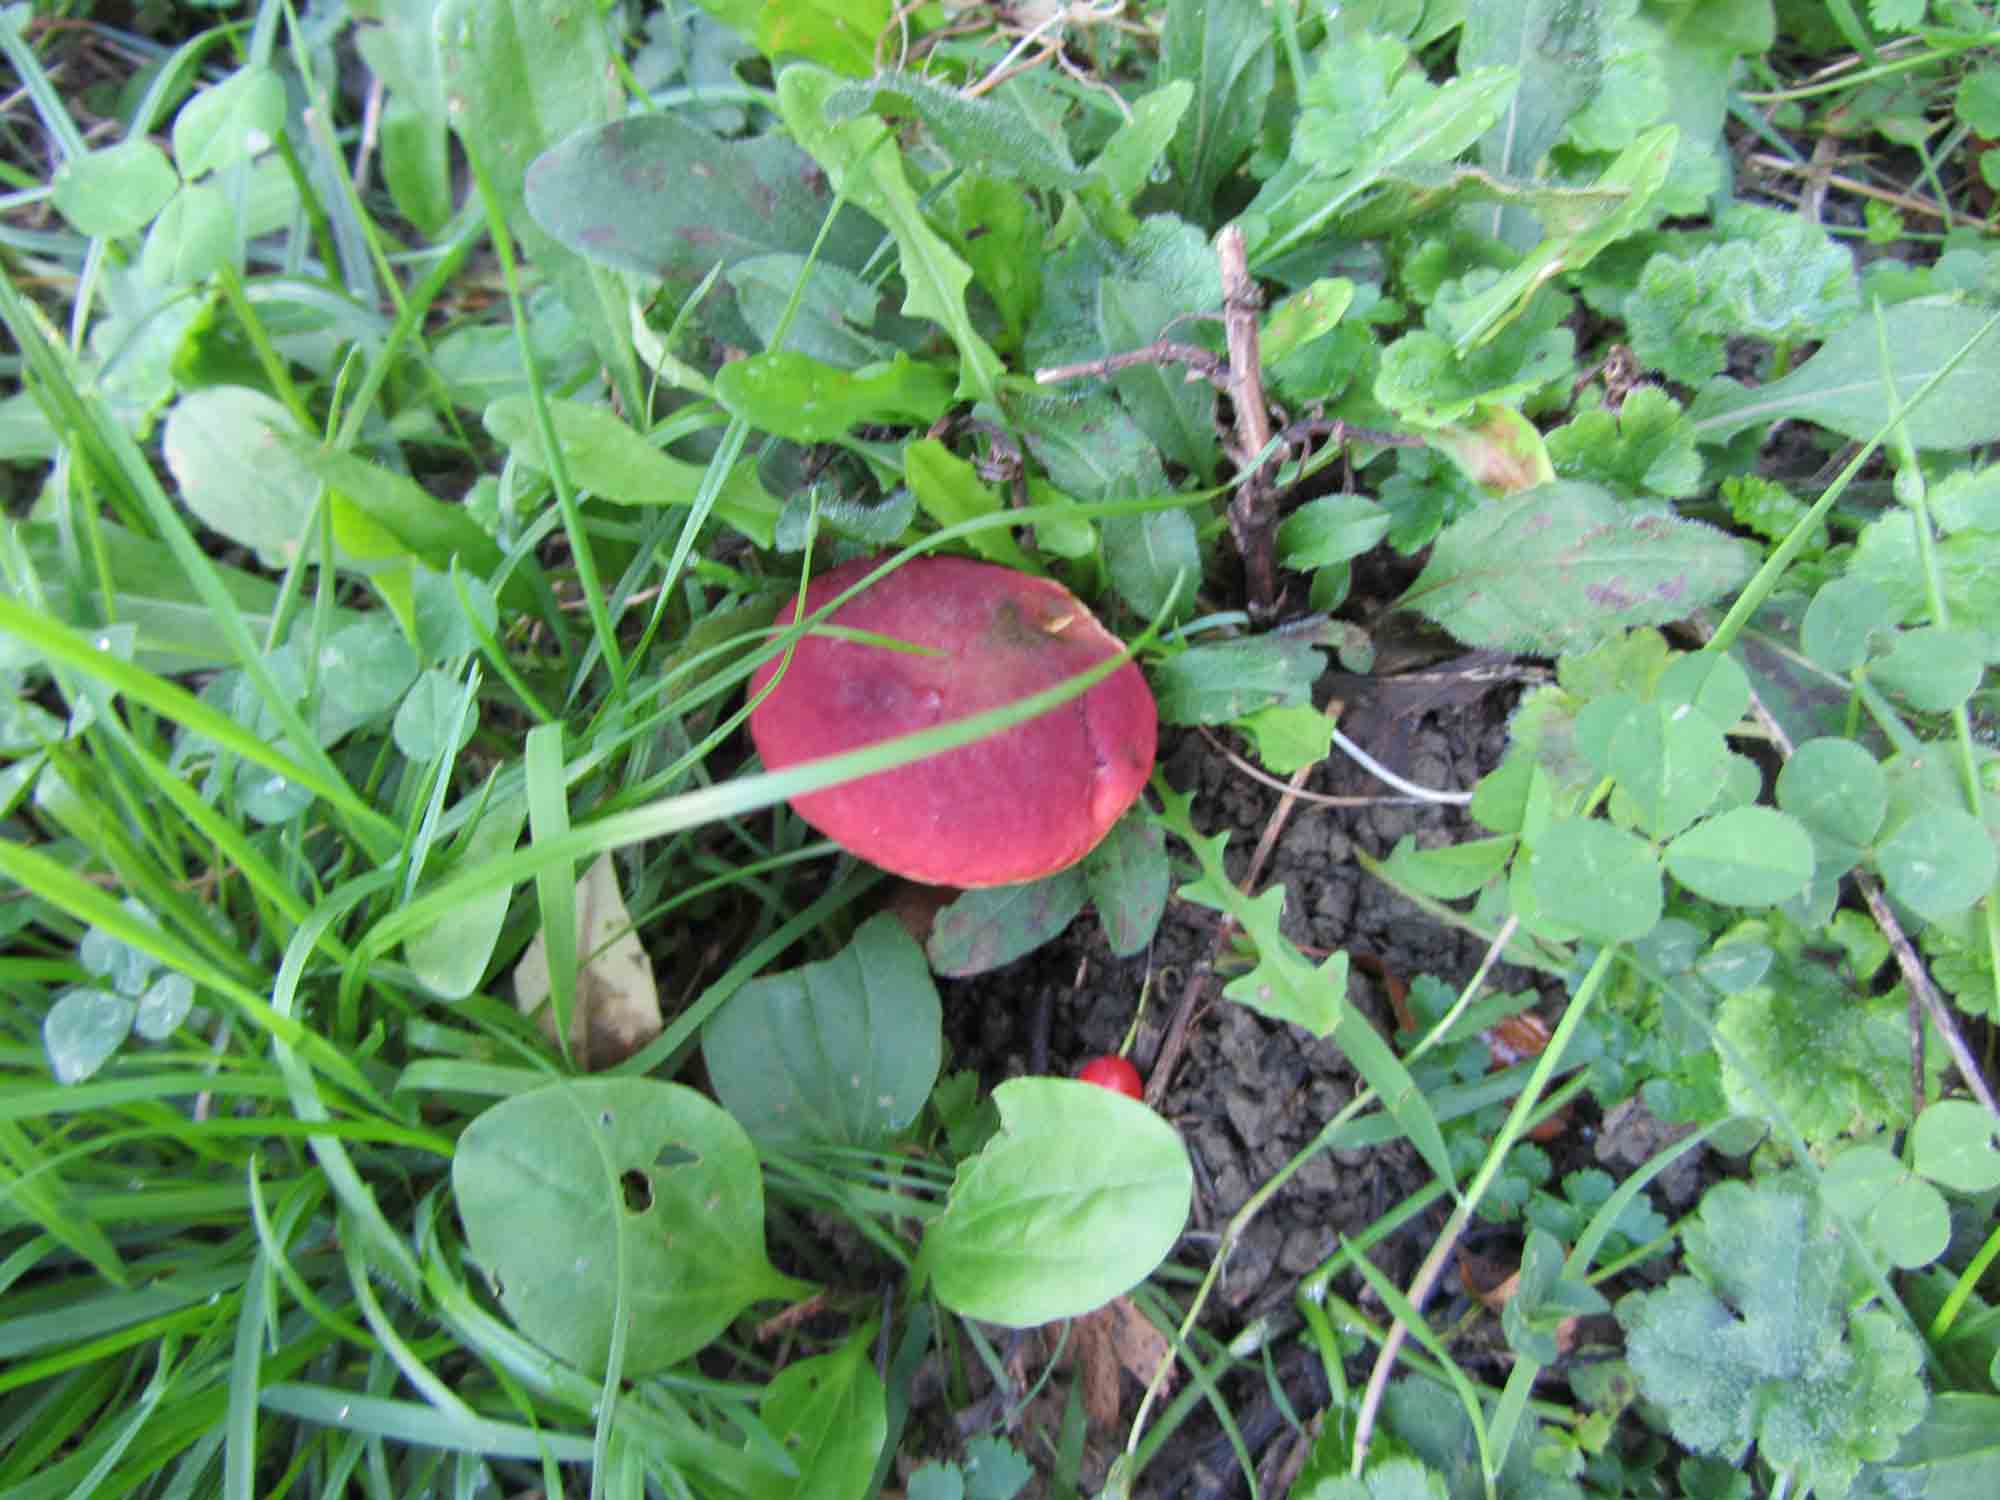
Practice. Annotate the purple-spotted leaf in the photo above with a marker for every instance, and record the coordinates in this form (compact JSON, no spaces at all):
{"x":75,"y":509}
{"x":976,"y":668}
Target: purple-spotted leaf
{"x":1565,"y":566}
{"x":995,"y":925}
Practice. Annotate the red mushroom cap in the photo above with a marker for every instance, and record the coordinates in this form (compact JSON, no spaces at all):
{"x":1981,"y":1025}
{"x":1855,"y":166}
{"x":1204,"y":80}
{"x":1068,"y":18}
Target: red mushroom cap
{"x":1014,"y":806}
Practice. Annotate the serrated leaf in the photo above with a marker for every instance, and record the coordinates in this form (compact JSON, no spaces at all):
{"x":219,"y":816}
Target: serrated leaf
{"x":979,"y":134}
{"x":1756,"y":1345}
{"x":842,"y":1052}
{"x":1841,"y":386}
{"x":1077,"y":1199}
{"x":995,"y":925}
{"x":1562,"y":567}
{"x":862,"y":159}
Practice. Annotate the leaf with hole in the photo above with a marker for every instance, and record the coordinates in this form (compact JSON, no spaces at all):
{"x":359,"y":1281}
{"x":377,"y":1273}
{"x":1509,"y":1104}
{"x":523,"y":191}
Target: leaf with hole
{"x":842,"y":1052}
{"x":599,"y":1199}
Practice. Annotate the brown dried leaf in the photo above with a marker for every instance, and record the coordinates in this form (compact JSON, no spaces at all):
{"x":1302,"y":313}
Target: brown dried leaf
{"x":617,"y":1004}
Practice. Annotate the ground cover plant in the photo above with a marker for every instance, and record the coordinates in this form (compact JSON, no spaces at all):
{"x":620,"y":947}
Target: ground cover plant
{"x":437,"y":1058}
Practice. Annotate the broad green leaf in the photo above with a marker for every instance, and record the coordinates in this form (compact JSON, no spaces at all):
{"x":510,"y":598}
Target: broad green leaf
{"x":1898,"y":1215}
{"x":1000,"y":232}
{"x":1841,"y":386}
{"x":1564,"y":566}
{"x":950,"y":490}
{"x":522,"y":75}
{"x":655,"y":195}
{"x":1176,"y":413}
{"x":862,"y":159}
{"x":596,"y":1199}
{"x":798,"y":397}
{"x":986,"y":928}
{"x":608,"y":458}
{"x":1559,"y":51}
{"x":1127,"y":875}
{"x":1310,"y":313}
{"x":401,"y":51}
{"x":842,"y":1052}
{"x":1953,"y":1143}
{"x":1076,"y":1200}
{"x":1599,"y":880}
{"x":1449,"y":873}
{"x":986,"y":134}
{"x":1224,"y":50}
{"x":833,"y":307}
{"x":1709,"y":681}
{"x":116,"y":190}
{"x":1937,"y":861}
{"x":831,"y":1414}
{"x":1330,"y":530}
{"x":163,"y":1007}
{"x":1840,"y":793}
{"x":839,"y":33}
{"x":230,"y":450}
{"x":1089,"y":445}
{"x":1933,"y":669}
{"x":450,"y":957}
{"x":1224,"y":680}
{"x":1757,"y":1344}
{"x":1841,"y":621}
{"x":435,"y":718}
{"x":1148,"y":554}
{"x":229,"y":122}
{"x":1668,"y":762}
{"x":422,"y":526}
{"x":1748,"y":856}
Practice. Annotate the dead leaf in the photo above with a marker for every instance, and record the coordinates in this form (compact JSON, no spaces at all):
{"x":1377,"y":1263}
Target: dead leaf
{"x":1116,"y":1337}
{"x":617,"y":1005}
{"x":1494,"y":1287}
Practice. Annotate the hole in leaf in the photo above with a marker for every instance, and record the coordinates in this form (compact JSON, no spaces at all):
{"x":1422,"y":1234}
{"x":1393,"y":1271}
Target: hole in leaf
{"x":638,"y":1191}
{"x":604,"y":1119}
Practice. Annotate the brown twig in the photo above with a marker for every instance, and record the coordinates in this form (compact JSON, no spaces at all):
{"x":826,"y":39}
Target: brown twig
{"x":1160,"y":352}
{"x":1923,"y":993}
{"x":1251,"y":521}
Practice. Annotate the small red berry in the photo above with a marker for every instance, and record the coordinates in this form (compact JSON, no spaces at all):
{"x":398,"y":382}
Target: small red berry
{"x":1113,"y":1073}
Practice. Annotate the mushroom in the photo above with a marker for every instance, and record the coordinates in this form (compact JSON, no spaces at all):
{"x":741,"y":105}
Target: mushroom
{"x":1015,"y":806}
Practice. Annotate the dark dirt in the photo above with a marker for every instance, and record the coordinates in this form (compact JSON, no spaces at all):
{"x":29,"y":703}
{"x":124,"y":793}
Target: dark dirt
{"x":1249,"y":1093}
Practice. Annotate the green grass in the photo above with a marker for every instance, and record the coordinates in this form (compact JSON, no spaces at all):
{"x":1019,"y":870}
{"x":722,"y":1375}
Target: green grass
{"x":393,"y":531}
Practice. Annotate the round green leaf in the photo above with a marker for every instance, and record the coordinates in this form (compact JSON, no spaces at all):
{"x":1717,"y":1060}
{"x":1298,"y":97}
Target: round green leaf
{"x":1937,"y":862}
{"x":1837,"y":789}
{"x":235,"y":119}
{"x":116,"y":191}
{"x":1906,"y":1220}
{"x":843,"y":1051}
{"x":1932,"y":669}
{"x":1839,"y":621}
{"x":1709,"y":681}
{"x":1077,"y":1199}
{"x":558,"y":1187}
{"x":195,"y":235}
{"x":1751,"y":856}
{"x":225,"y":447}
{"x":1952,"y":1143}
{"x":435,"y":718}
{"x":83,"y":1029}
{"x":1670,"y":761}
{"x":164,"y":1006}
{"x":1600,"y":880}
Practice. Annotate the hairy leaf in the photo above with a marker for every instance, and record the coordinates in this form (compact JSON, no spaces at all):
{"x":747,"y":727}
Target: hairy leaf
{"x":1756,"y":1345}
{"x":1564,"y":566}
